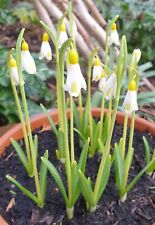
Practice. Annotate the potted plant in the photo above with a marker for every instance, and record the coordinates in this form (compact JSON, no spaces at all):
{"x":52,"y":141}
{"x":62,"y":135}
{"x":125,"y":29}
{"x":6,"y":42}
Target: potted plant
{"x":95,"y":128}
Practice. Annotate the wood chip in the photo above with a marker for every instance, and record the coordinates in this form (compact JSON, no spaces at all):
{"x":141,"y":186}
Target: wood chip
{"x":10,"y":205}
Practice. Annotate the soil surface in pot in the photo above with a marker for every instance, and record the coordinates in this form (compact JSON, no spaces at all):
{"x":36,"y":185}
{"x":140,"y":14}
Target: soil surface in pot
{"x":17,"y":209}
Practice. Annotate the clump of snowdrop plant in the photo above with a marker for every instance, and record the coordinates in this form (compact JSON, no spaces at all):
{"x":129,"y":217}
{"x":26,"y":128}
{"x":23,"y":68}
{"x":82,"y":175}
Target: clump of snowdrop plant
{"x":95,"y":137}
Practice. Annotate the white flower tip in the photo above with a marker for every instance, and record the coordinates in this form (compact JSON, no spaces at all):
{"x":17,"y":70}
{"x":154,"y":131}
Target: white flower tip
{"x":138,"y":54}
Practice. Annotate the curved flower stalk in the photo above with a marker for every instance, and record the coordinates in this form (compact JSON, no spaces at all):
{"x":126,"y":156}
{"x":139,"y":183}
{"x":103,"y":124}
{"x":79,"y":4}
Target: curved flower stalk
{"x":97,"y":69}
{"x":75,"y":80}
{"x":28,"y":63}
{"x":28,"y":159}
{"x":113,"y":37}
{"x":110,"y":87}
{"x":62,"y":37}
{"x":45,"y":50}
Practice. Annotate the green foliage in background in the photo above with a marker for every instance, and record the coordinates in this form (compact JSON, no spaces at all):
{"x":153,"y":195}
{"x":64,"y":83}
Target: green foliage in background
{"x":137,"y":21}
{"x":22,"y":11}
{"x":35,"y":87}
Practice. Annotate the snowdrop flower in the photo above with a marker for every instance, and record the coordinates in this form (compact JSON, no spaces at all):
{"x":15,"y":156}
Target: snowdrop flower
{"x":97,"y":69}
{"x":14,"y":71}
{"x":137,"y":53}
{"x":75,"y":80}
{"x":130,"y":101}
{"x":114,"y":38}
{"x":62,"y":35}
{"x":45,"y":50}
{"x":102,"y":81}
{"x":110,"y":87}
{"x":28,"y":63}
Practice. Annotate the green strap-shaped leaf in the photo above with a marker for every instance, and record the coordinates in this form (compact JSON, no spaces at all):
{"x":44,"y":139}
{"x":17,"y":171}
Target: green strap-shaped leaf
{"x":119,"y":167}
{"x":53,"y":127}
{"x":76,"y":116}
{"x":134,"y":181}
{"x":61,"y":144}
{"x":127,"y":164}
{"x":23,"y":189}
{"x":83,"y":156}
{"x":75,"y":186}
{"x":86,"y":189}
{"x":56,"y":177}
{"x":80,"y":134}
{"x":20,"y":153}
{"x":105,"y":178}
{"x":105,"y":128}
{"x":36,"y":146}
{"x":101,"y":146}
{"x":85,"y":120}
{"x":94,"y":145}
{"x":147,"y":150}
{"x":43,"y":177}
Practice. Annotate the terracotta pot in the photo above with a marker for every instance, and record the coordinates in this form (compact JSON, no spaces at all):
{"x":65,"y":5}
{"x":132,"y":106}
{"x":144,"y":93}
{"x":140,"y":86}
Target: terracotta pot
{"x":41,"y":120}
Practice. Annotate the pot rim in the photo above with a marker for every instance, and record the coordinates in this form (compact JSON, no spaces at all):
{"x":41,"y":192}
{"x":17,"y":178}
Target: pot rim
{"x":40,"y":120}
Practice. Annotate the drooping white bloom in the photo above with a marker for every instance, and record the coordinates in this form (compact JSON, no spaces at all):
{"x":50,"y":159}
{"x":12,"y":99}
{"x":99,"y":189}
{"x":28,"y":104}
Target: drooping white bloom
{"x":102,"y":81}
{"x":110,"y":87}
{"x":28,"y":63}
{"x":13,"y":71}
{"x":75,"y":80}
{"x":130,"y":101}
{"x":113,"y":37}
{"x":62,"y":35}
{"x":97,"y":69}
{"x":45,"y":50}
{"x":137,"y":53}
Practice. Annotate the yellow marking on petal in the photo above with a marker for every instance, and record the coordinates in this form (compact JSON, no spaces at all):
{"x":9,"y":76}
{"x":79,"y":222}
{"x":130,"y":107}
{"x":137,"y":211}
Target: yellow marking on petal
{"x":97,"y":61}
{"x":74,"y":87}
{"x":103,"y":74}
{"x":97,"y":77}
{"x":62,"y":27}
{"x":45,"y":37}
{"x":73,"y":56}
{"x":132,"y":86}
{"x":114,"y":27}
{"x":108,"y":92}
{"x":12,"y":62}
{"x":128,"y":106}
{"x":25,"y":46}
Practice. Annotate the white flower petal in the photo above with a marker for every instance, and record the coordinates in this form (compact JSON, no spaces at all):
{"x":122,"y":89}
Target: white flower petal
{"x":130,"y":101}
{"x":45,"y":51}
{"x":110,"y":87}
{"x":62,"y":38}
{"x":102,"y":84}
{"x":114,"y":38}
{"x":14,"y":75}
{"x":75,"y":80}
{"x":97,"y":71}
{"x":138,"y":54}
{"x":28,"y":63}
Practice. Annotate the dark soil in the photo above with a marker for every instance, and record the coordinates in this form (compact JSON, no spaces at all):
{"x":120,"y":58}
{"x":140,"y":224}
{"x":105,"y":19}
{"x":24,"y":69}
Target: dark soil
{"x":139,"y":207}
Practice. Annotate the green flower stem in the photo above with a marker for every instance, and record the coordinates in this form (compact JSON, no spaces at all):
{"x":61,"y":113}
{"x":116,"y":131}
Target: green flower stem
{"x":109,"y":113}
{"x":23,"y":127}
{"x":124,"y":134}
{"x":80,"y":109}
{"x":107,"y":146}
{"x":22,"y":90}
{"x":71,"y":130}
{"x":71,"y":20}
{"x":89,"y":106}
{"x":131,"y":130}
{"x":35,"y":171}
{"x":101,"y":115}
